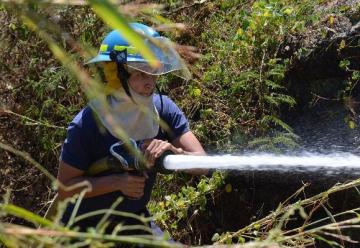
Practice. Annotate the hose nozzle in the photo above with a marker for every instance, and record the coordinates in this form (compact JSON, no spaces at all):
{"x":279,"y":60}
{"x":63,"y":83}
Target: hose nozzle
{"x":122,"y":161}
{"x":159,"y":163}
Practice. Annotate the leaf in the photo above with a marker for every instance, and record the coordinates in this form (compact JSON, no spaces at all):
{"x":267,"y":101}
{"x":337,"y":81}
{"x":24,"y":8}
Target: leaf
{"x":329,"y":242}
{"x":228,"y":188}
{"x":196,"y":92}
{"x":342,"y":44}
{"x":355,"y":75}
{"x":240,"y":32}
{"x":344,"y":64}
{"x":276,"y":99}
{"x":288,"y":11}
{"x":25,"y":214}
{"x":331,"y":217}
{"x":267,"y":119}
{"x":352,"y":124}
{"x":215,"y":237}
{"x":273,"y":85}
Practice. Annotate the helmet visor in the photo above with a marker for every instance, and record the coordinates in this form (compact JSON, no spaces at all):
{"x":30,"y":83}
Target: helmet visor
{"x":168,"y":58}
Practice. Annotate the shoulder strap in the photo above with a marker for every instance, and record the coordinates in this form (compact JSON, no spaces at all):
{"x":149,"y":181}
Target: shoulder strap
{"x":162,"y":132}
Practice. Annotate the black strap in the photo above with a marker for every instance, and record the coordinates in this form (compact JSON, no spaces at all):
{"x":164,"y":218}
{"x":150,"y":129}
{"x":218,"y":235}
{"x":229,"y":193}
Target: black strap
{"x":161,"y":131}
{"x":161,"y":101}
{"x":120,"y":58}
{"x":124,"y":77}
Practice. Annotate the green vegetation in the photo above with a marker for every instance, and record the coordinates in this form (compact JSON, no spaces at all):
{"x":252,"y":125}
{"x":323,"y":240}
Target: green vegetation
{"x":241,"y":69}
{"x":234,"y":102}
{"x":346,"y":94}
{"x":171,"y":211}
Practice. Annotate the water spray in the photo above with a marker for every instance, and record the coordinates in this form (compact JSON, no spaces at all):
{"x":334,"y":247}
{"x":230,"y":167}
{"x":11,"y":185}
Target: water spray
{"x":326,"y":164}
{"x":330,"y":164}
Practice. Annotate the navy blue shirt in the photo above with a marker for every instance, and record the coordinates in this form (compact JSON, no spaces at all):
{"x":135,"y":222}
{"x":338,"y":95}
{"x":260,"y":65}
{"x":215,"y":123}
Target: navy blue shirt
{"x":86,"y":143}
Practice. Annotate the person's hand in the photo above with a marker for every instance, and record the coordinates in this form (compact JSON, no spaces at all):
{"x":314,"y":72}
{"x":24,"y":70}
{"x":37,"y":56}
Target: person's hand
{"x":154,"y":148}
{"x":131,"y":186}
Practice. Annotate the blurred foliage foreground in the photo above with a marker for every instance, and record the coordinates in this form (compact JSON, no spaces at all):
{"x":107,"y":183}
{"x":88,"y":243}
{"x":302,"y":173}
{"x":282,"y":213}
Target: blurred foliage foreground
{"x":236,"y":100}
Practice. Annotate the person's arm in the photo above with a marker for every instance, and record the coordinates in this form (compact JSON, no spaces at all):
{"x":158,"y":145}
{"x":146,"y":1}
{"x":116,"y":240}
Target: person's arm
{"x":189,"y":143}
{"x":186,"y":144}
{"x":183,"y":141}
{"x":132,"y":186}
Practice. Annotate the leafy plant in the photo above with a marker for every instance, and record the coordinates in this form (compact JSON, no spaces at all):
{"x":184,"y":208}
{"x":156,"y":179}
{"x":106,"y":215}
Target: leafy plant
{"x":171,"y":211}
{"x":241,"y":73}
{"x":347,"y":91}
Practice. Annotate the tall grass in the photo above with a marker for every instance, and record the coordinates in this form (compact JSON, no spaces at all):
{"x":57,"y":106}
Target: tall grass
{"x":35,"y":16}
{"x":270,"y":231}
{"x":265,"y":72}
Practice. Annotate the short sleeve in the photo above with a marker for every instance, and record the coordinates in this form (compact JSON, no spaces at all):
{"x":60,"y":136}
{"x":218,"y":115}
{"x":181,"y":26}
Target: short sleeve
{"x":175,"y":118}
{"x":76,"y":149}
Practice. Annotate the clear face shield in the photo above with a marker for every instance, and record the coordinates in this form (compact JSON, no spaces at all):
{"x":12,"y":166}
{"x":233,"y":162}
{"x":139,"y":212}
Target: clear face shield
{"x":168,"y":58}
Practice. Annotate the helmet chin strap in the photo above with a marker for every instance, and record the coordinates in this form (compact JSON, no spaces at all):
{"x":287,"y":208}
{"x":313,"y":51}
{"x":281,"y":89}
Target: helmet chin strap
{"x":124,"y":76}
{"x":120,"y":58}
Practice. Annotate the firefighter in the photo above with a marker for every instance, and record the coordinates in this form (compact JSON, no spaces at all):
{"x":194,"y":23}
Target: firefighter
{"x":136,"y":110}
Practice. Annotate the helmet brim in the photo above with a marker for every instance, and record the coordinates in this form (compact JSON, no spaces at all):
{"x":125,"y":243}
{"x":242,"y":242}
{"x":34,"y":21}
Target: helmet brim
{"x":106,"y":58}
{"x":165,"y":54}
{"x":99,"y":58}
{"x":167,"y":57}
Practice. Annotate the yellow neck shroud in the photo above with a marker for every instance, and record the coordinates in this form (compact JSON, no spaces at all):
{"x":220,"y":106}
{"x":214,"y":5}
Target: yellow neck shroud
{"x":111,"y":76}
